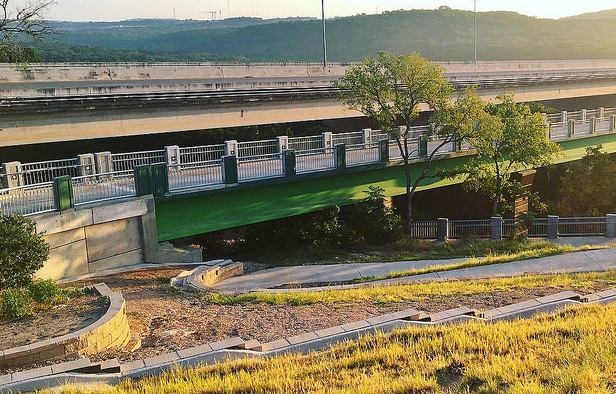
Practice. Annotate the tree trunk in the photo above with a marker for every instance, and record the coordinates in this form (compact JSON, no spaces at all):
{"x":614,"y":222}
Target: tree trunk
{"x":409,"y":199}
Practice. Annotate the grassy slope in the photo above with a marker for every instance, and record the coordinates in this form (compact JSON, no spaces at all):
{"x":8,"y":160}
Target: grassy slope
{"x":573,"y":352}
{"x":210,"y":212}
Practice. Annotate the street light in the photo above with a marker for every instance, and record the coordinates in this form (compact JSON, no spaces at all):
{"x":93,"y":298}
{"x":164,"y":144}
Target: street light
{"x":475,"y":35}
{"x":324,"y":34}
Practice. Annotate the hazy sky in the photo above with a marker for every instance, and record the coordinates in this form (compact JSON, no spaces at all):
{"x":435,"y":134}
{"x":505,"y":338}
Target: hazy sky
{"x":104,"y":10}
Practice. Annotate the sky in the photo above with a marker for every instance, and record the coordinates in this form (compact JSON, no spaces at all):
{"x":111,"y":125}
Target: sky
{"x":110,"y":10}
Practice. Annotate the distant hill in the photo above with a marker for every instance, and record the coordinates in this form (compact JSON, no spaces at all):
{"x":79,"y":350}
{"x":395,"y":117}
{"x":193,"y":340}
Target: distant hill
{"x":442,"y":34}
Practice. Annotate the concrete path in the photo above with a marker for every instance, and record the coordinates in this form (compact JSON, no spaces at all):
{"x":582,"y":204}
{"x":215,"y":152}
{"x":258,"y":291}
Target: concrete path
{"x":596,"y":260}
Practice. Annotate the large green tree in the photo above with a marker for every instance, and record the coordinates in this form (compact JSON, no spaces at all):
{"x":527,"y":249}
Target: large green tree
{"x":20,"y":19}
{"x":392,"y":90}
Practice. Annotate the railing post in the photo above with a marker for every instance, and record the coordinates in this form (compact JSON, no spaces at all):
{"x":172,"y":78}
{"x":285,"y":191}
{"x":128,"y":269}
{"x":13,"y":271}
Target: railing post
{"x":340,"y":156}
{"x":497,"y":228}
{"x":422,"y":147}
{"x":13,"y":175}
{"x":328,"y":140}
{"x":610,"y":230}
{"x":231,"y":148}
{"x":549,"y":131}
{"x":290,"y":163}
{"x":593,"y":126}
{"x":172,"y":156}
{"x":563,"y":117}
{"x":160,"y":175}
{"x":442,"y":229}
{"x":367,"y":136}
{"x":63,"y":193}
{"x":613,"y":123}
{"x":283,"y":143}
{"x":384,"y":151}
{"x":553,"y":227}
{"x":601,"y":113}
{"x":584,"y":113}
{"x":87,"y":165}
{"x":144,"y":182}
{"x":571,"y":128}
{"x":229,"y":170}
{"x":104,"y":162}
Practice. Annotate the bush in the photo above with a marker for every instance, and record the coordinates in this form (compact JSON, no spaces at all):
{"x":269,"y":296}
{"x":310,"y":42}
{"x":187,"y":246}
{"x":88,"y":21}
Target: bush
{"x":15,"y":304}
{"x":22,"y":251}
{"x":46,"y":292}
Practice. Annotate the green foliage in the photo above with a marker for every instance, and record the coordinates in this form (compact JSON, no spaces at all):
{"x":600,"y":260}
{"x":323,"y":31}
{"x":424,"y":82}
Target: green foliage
{"x":46,"y":292}
{"x":13,"y":53}
{"x":15,"y":304}
{"x":22,"y":251}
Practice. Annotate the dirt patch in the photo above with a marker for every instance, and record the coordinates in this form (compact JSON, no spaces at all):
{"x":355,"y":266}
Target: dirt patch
{"x":167,"y":320}
{"x":58,"y":320}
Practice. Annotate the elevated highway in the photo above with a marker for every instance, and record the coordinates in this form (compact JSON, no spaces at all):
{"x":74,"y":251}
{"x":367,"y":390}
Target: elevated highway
{"x":54,"y":103}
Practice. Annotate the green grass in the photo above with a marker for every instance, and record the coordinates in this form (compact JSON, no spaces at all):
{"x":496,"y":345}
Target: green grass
{"x":572,"y":352}
{"x":422,"y":291}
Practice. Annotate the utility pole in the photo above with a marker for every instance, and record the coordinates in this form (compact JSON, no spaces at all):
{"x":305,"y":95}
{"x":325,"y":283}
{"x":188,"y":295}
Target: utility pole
{"x":324,"y":34}
{"x":475,"y":35}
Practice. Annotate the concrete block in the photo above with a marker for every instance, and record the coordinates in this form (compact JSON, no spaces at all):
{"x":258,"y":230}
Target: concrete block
{"x":5,"y":379}
{"x":112,"y":239}
{"x":435,"y":317}
{"x":497,"y":228}
{"x":607,"y":301}
{"x":13,"y":174}
{"x":328,"y":332}
{"x":194,"y":351}
{"x":125,"y":259}
{"x":16,"y":352}
{"x":565,"y":295}
{"x":31,"y":374}
{"x":611,"y":226}
{"x":172,"y":156}
{"x":380,"y":319}
{"x":355,"y":325}
{"x":132,"y":366}
{"x":65,"y":261}
{"x":65,"y":238}
{"x":490,"y":314}
{"x":266,"y":347}
{"x":117,"y":211}
{"x":252,"y":344}
{"x":110,"y":366}
{"x":103,"y":162}
{"x":519,"y":306}
{"x":605,"y":294}
{"x":328,"y":141}
{"x":167,"y":358}
{"x":463,"y":310}
{"x":302,"y":338}
{"x":71,"y":366}
{"x":227,"y":344}
{"x":87,"y":165}
{"x":59,"y":222}
{"x":231,"y":148}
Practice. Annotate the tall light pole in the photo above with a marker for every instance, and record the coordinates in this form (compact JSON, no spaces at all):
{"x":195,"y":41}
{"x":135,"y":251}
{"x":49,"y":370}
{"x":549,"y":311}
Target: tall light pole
{"x":475,"y":35}
{"x":324,"y":34}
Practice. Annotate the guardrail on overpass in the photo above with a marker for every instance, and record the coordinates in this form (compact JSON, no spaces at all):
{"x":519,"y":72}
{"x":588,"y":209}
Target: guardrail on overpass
{"x":32,"y":188}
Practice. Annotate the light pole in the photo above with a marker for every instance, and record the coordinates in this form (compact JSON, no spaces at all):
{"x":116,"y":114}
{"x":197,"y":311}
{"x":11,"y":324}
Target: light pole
{"x":324,"y":34}
{"x":475,"y":35}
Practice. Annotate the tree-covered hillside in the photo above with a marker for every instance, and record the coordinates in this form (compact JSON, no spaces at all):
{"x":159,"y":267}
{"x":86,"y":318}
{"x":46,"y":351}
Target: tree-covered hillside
{"x":442,"y":34}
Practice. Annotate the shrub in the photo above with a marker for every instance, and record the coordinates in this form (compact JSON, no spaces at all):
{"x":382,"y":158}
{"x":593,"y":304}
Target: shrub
{"x":22,"y":251}
{"x":15,"y":304}
{"x":46,"y":292}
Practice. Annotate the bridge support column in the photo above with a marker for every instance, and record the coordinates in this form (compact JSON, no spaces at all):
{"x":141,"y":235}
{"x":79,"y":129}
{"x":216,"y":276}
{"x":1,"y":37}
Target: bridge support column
{"x":497,"y":228}
{"x":87,"y":165}
{"x":104,"y":162}
{"x":367,"y":136}
{"x":328,"y":140}
{"x":552,"y":227}
{"x":289,"y":162}
{"x":231,"y":148}
{"x":229,"y":170}
{"x":442,"y":229}
{"x":384,"y":151}
{"x":610,"y":231}
{"x":593,"y":125}
{"x":340,"y":156}
{"x":172,"y":156}
{"x":571,"y":129}
{"x":12,"y":176}
{"x":63,"y":193}
{"x":283,"y":143}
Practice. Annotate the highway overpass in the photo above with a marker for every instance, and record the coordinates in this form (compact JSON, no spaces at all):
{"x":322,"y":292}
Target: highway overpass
{"x":65,"y":102}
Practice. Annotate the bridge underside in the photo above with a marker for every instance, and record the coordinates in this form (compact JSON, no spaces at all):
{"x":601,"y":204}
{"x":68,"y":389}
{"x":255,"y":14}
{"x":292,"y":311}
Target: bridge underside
{"x":188,"y":215}
{"x":80,"y":125}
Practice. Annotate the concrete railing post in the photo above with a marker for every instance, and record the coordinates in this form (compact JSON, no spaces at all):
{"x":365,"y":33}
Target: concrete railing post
{"x":340,"y":156}
{"x":63,"y":193}
{"x":384,"y":151}
{"x":593,"y":125}
{"x":87,"y":165}
{"x":571,"y":129}
{"x":104,"y":162}
{"x":229,"y":170}
{"x":231,"y":148}
{"x":552,"y":227}
{"x":610,"y":230}
{"x":601,"y":113}
{"x":283,"y":143}
{"x":172,"y":156}
{"x":563,"y":116}
{"x":160,"y":175}
{"x":13,"y":174}
{"x":613,"y":123}
{"x":497,"y":228}
{"x":367,"y":136}
{"x":584,"y":113}
{"x":289,"y":162}
{"x":442,"y":229}
{"x":422,"y":145}
{"x":328,"y":140}
{"x":144,"y":181}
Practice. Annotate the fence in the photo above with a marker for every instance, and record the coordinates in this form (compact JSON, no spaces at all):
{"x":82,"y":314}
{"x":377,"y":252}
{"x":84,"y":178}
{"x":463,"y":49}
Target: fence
{"x":306,"y":143}
{"x":192,"y":175}
{"x":313,"y":160}
{"x":201,"y":154}
{"x":27,"y":200}
{"x":104,"y":187}
{"x":362,"y":154}
{"x":46,"y":171}
{"x":466,"y":228}
{"x":257,"y":148}
{"x":128,"y":161}
{"x":260,"y":167}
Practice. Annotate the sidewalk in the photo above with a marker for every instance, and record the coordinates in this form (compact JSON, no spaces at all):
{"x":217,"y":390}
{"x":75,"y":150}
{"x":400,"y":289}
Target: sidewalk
{"x":595,"y":260}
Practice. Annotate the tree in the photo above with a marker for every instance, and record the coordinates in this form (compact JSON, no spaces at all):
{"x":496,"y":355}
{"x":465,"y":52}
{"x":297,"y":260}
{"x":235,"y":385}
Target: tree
{"x":19,"y":19}
{"x":515,"y":139}
{"x":22,"y":251}
{"x":392,"y":90}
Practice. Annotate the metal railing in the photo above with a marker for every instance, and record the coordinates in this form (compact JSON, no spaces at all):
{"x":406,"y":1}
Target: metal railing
{"x":468,"y":228}
{"x":353,"y":138}
{"x":192,"y":175}
{"x":201,"y":154}
{"x":260,"y":167}
{"x":104,"y":187}
{"x":314,"y":160}
{"x":424,"y":229}
{"x":582,"y":226}
{"x":362,"y":154}
{"x":46,"y":171}
{"x":28,"y":200}
{"x":257,"y":148}
{"x":306,"y":143}
{"x":129,"y":160}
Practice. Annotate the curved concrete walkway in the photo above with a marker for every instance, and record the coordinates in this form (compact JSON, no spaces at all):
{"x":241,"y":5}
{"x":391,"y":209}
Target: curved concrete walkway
{"x":594,"y":260}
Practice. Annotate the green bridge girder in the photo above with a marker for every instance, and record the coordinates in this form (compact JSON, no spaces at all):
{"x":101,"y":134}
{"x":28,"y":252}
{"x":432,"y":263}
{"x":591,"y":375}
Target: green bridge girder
{"x":201,"y":212}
